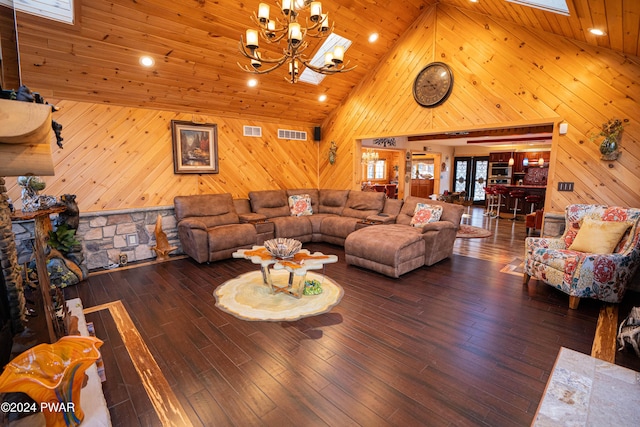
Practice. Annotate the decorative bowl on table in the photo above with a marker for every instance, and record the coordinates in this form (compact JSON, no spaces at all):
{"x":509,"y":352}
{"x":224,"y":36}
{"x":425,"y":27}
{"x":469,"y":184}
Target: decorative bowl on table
{"x":282,"y":247}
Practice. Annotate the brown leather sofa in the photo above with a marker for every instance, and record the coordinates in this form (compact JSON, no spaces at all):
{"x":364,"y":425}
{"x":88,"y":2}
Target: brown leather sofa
{"x":398,"y":248}
{"x":209,"y":227}
{"x":212,"y":227}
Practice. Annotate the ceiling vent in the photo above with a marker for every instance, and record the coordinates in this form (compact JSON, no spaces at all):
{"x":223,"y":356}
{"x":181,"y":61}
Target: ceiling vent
{"x":292,"y":134}
{"x":252,"y":131}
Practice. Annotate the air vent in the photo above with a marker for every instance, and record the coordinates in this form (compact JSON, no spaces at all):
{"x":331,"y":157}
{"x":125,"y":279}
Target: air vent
{"x":252,"y":131}
{"x":292,"y":134}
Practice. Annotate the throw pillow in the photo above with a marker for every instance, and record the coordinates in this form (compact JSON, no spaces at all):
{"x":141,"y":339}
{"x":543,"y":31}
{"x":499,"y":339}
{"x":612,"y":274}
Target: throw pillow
{"x":599,"y":237}
{"x":300,"y":204}
{"x":425,"y":213}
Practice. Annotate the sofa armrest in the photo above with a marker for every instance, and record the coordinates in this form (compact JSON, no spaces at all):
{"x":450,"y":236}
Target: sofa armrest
{"x":251,"y":217}
{"x":382,"y":218}
{"x":438,"y":225}
{"x":192,"y":223}
{"x":545,"y":242}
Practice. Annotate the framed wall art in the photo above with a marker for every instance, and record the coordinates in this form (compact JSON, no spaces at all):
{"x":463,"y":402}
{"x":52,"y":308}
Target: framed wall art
{"x":195,"y":147}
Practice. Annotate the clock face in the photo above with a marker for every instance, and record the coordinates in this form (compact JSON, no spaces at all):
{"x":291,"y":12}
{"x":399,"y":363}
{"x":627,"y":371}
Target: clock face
{"x":433,"y":84}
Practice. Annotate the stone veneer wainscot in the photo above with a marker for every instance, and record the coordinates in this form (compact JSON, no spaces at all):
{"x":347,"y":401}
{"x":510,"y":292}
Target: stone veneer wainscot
{"x":104,"y":235}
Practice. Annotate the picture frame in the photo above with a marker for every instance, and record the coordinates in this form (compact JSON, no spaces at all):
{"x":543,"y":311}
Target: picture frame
{"x":195,"y":147}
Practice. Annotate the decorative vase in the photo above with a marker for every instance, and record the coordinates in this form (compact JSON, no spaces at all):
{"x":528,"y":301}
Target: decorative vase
{"x":609,"y":148}
{"x":53,"y":376}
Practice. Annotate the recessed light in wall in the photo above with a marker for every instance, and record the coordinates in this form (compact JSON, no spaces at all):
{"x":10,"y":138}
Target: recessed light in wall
{"x":373,"y":37}
{"x":597,"y":32}
{"x":322,"y":98}
{"x":147,"y":61}
{"x":252,"y":83}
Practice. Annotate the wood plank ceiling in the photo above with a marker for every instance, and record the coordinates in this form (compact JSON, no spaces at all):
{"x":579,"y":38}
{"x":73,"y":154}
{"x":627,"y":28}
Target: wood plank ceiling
{"x":195,"y":45}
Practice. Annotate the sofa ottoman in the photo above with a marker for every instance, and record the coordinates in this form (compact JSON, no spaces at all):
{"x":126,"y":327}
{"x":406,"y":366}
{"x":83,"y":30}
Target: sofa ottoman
{"x":386,"y":249}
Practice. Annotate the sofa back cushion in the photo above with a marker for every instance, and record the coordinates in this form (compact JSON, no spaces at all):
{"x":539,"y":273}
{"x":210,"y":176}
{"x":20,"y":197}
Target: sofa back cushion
{"x":211,"y":209}
{"x":450,"y":212}
{"x":361,"y":204}
{"x":270,"y":203}
{"x":312,"y":192}
{"x":332,"y":201}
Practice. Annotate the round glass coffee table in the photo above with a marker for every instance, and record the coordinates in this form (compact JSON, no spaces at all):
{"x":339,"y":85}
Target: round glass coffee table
{"x":297,"y":266}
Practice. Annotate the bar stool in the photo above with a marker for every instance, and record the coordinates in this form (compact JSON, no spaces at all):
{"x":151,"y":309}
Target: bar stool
{"x":518,"y":195}
{"x":492,"y":197}
{"x":501,"y":190}
{"x":534,"y":199}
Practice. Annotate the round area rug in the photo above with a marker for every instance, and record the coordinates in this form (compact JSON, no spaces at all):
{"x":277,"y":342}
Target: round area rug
{"x":471,"y":232}
{"x":248,"y":298}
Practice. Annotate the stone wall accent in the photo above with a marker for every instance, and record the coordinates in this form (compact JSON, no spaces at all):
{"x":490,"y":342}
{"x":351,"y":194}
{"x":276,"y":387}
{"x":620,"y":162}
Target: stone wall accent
{"x":104,"y":235}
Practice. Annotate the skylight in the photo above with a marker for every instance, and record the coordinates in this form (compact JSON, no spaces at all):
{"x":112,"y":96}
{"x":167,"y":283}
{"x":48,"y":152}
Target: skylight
{"x":58,"y":10}
{"x":329,"y":44}
{"x":555,"y":6}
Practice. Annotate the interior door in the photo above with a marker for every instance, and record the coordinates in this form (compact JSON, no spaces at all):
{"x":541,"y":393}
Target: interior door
{"x":470,"y":175}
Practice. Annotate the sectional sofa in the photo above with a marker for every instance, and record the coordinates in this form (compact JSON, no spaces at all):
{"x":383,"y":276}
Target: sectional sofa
{"x":379,"y":234}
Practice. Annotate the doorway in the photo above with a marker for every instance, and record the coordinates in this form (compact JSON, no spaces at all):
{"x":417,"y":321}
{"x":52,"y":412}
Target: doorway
{"x":470,"y":175}
{"x":425,"y":174}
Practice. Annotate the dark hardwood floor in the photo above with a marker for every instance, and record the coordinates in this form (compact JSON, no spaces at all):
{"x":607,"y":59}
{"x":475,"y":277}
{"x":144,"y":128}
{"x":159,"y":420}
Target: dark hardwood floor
{"x":457,"y":343}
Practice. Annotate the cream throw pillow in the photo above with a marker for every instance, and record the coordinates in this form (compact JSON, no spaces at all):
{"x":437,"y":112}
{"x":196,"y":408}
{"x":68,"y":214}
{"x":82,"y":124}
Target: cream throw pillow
{"x":598,"y":237}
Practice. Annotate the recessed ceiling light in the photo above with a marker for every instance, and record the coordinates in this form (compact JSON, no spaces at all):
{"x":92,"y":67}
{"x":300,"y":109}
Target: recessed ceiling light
{"x":373,"y":37}
{"x":596,"y":32}
{"x":147,"y":61}
{"x":252,"y":83}
{"x":473,"y":1}
{"x":322,"y":98}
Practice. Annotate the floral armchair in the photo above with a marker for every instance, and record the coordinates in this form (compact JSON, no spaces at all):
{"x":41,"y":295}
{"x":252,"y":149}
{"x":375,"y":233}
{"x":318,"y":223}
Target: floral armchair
{"x":581,"y":273}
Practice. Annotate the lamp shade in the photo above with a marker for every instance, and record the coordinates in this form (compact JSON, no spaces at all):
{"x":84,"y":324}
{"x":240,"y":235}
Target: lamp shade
{"x":263,"y":12}
{"x":295,"y":35}
{"x":252,"y":39}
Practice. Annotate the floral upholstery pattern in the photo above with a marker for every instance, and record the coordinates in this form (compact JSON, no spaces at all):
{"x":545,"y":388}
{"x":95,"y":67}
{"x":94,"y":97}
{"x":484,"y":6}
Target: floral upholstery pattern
{"x":425,"y":213}
{"x":586,"y":275}
{"x":300,"y":204}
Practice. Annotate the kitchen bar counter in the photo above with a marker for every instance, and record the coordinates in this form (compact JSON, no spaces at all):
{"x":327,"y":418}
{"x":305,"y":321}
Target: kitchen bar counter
{"x":508,"y":202}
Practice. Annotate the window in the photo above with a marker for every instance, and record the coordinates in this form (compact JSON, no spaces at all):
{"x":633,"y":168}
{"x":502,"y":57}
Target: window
{"x":377,"y":170}
{"x":328,"y":45}
{"x":58,"y":10}
{"x":423,"y":169}
{"x":555,"y":6}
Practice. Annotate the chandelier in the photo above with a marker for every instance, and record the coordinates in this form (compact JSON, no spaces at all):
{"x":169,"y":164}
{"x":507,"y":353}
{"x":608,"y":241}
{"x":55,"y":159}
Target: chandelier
{"x":369,"y":157}
{"x":287,"y":28}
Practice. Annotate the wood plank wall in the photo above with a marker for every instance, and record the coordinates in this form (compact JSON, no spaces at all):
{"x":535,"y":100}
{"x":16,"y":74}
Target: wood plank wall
{"x":117,"y":157}
{"x":504,"y":75}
